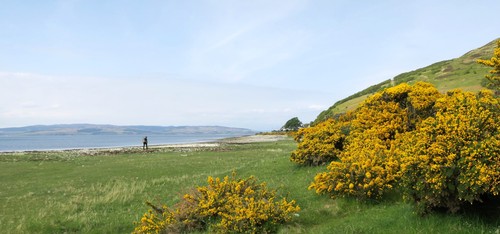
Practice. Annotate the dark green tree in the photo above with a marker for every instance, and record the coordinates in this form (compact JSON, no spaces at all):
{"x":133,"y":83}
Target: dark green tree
{"x":292,"y":125}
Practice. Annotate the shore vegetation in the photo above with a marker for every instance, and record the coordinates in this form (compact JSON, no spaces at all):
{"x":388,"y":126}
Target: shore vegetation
{"x":107,"y":191}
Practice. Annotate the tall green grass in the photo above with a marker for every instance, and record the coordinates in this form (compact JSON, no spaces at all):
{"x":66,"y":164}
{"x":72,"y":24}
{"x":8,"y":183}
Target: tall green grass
{"x":68,"y":193}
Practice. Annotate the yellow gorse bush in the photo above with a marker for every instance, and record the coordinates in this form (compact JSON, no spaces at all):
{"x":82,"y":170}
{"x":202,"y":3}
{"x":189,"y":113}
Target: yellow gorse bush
{"x":227,"y":206}
{"x":440,"y":150}
{"x":454,"y":156}
{"x":320,"y":144}
{"x":494,"y":62}
{"x":366,"y":174}
{"x":367,"y":165}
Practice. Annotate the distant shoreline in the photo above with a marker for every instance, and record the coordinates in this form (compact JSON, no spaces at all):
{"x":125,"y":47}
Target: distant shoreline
{"x":205,"y":144}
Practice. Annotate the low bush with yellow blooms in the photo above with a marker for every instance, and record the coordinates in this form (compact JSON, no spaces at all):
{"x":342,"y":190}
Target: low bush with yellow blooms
{"x":320,"y":144}
{"x":367,"y":174}
{"x":367,"y":166}
{"x":227,"y":205}
{"x":453,"y":157}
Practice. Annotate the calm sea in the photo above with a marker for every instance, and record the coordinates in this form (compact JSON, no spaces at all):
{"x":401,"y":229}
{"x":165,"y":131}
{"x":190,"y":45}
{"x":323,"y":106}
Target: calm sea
{"x":57,"y":142}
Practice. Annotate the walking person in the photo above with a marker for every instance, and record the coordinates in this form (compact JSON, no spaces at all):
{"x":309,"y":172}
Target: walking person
{"x":145,"y":143}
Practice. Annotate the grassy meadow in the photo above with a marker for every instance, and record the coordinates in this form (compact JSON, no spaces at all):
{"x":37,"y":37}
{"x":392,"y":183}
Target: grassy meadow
{"x":65,"y":192}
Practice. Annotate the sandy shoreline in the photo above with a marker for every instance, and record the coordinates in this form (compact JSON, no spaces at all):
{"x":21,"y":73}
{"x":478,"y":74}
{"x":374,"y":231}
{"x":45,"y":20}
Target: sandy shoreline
{"x":191,"y":146}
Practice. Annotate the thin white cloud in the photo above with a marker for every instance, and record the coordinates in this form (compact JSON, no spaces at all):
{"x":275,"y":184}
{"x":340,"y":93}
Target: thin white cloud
{"x":234,"y":48}
{"x":227,"y":40}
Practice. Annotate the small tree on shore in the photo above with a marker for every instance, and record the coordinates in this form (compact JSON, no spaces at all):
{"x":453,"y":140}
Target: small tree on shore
{"x":292,"y":125}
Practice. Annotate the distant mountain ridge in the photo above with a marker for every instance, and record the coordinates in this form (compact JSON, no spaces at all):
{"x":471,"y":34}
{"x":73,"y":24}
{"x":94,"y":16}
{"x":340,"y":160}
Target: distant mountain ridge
{"x":102,"y":129}
{"x":462,"y":72}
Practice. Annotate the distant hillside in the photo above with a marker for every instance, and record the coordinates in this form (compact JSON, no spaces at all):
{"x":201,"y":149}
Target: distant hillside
{"x":93,"y":129}
{"x":462,"y":72}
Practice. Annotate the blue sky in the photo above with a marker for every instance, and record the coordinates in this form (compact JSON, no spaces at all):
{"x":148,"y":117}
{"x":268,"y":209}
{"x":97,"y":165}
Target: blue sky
{"x":252,"y":64}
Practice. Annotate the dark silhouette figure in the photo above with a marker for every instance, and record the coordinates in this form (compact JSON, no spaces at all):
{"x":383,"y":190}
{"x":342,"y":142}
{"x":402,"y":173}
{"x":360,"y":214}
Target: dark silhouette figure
{"x":145,"y":143}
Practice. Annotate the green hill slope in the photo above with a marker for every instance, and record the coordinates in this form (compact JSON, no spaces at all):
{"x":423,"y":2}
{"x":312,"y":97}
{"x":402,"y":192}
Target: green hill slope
{"x":462,"y":72}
